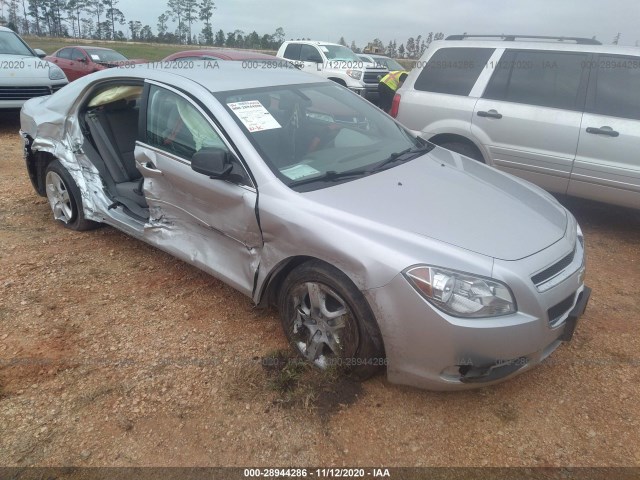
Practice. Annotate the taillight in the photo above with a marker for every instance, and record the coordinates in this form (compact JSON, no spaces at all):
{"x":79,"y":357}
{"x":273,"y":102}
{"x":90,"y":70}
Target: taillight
{"x":395,"y":106}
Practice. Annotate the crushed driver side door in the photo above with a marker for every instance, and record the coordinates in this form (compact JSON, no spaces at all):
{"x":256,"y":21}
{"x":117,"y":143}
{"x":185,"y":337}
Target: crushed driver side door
{"x":209,"y":223}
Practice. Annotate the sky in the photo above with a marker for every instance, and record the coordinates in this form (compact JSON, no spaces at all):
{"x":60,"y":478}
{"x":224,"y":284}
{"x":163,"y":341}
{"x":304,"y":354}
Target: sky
{"x":362,"y":21}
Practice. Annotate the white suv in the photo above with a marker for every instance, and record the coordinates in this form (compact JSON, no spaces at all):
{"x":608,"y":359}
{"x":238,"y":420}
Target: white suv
{"x":563,"y":113}
{"x":23,"y":75}
{"x":335,"y":62}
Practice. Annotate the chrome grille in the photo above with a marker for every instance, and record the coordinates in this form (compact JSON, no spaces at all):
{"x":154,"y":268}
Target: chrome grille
{"x":371,"y":76}
{"x":23,"y":93}
{"x":560,"y":270}
{"x":554,"y":269}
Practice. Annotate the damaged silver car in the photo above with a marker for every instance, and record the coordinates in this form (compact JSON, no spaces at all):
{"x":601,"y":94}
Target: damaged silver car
{"x":378,"y":248}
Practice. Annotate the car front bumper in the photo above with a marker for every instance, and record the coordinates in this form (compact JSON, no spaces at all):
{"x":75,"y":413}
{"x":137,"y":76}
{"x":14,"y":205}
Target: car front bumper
{"x":429,"y":349}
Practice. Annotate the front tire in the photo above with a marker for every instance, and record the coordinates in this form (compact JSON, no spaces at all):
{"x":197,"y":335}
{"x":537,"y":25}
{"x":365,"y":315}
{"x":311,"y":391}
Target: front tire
{"x":65,"y":199}
{"x":328,"y":322}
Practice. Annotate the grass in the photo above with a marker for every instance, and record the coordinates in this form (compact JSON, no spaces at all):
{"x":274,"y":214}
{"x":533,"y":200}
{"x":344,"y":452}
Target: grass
{"x":150,"y":51}
{"x":298,"y":385}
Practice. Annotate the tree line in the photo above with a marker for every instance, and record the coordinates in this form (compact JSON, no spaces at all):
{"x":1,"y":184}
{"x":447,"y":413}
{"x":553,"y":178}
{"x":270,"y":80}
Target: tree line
{"x":103,"y":20}
{"x":413,"y":48}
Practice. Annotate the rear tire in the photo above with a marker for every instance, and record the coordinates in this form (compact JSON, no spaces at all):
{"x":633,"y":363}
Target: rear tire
{"x":65,"y":199}
{"x":328,"y":322}
{"x":465,"y":149}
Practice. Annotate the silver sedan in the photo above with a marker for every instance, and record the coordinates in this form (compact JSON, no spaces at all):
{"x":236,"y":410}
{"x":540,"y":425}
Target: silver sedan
{"x":379,"y":249}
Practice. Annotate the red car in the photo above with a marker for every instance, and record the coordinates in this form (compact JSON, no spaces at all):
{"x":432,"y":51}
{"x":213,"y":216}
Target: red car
{"x":224,"y":54}
{"x":79,"y":61}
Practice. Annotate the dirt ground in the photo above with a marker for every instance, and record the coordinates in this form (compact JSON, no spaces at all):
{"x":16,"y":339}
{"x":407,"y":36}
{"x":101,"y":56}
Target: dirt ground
{"x":114,"y":353}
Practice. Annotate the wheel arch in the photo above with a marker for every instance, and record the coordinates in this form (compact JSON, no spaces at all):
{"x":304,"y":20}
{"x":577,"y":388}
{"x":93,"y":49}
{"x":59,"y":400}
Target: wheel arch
{"x":442,"y":138}
{"x":268,"y":294}
{"x":37,"y":163}
{"x":338,"y":80}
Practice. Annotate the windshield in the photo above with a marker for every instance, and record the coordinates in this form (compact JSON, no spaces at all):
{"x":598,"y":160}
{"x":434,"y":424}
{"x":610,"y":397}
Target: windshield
{"x":12,"y":44}
{"x":338,"y":52}
{"x":99,"y":55}
{"x":305,"y":131}
{"x":389,"y":63}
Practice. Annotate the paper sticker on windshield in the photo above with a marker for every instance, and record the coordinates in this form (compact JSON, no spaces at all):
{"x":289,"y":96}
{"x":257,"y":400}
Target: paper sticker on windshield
{"x":299,"y":171}
{"x":254,"y":116}
{"x":95,"y":57}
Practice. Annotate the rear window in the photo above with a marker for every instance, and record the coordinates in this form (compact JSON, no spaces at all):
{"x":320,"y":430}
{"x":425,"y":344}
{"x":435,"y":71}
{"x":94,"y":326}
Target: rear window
{"x":64,"y":53}
{"x":292,"y":51}
{"x":453,"y":70}
{"x":617,"y":92}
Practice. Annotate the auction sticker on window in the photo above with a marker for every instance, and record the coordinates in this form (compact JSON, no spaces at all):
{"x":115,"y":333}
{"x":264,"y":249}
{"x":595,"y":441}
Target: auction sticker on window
{"x":254,"y":116}
{"x":299,"y":171}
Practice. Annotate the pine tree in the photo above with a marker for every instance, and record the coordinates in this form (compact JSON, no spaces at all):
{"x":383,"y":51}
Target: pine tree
{"x":206,"y":14}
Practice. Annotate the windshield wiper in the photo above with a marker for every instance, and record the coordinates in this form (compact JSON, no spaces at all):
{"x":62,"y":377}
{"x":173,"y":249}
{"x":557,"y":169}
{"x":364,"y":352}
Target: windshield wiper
{"x":330,"y":176}
{"x":404,"y":155}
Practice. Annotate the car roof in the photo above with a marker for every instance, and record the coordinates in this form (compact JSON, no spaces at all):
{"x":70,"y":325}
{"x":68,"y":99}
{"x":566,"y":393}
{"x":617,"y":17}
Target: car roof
{"x":538,"y":45}
{"x":5,"y":29}
{"x":315,"y":42}
{"x":86,"y":47}
{"x":226,"y":76}
{"x":225,"y":54}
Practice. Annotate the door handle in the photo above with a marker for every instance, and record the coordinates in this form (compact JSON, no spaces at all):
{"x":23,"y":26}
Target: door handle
{"x":149,"y":169}
{"x":490,"y":114}
{"x":603,"y":131}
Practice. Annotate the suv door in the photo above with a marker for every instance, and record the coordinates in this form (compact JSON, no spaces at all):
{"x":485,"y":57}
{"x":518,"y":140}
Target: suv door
{"x":607,"y":165}
{"x":209,"y":223}
{"x":441,"y":99}
{"x":528,"y":118}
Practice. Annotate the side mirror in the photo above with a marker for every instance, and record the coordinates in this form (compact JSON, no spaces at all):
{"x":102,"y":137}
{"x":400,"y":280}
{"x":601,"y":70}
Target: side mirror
{"x":82,"y":60}
{"x":213,"y":162}
{"x":315,"y":59}
{"x":40,"y":53}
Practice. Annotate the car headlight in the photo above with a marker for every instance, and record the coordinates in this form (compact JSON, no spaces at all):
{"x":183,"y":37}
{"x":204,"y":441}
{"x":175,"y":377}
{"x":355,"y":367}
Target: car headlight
{"x":461,"y":294}
{"x":56,"y":73}
{"x":355,"y":74}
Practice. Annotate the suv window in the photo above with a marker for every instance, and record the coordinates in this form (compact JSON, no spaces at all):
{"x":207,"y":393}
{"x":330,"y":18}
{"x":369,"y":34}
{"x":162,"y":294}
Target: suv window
{"x":547,"y":79}
{"x":309,"y":53}
{"x":453,"y":70}
{"x":617,"y":87}
{"x":292,"y":52}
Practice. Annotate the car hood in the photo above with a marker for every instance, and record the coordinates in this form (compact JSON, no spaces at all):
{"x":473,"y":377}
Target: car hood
{"x":453,"y":199}
{"x":21,"y":66}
